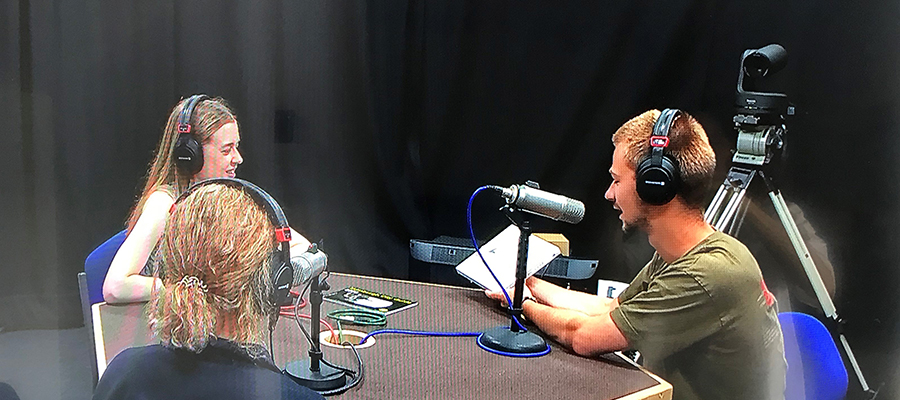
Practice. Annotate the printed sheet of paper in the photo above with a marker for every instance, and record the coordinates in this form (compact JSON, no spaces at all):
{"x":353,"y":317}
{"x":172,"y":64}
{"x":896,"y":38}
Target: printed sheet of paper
{"x":500,"y":254}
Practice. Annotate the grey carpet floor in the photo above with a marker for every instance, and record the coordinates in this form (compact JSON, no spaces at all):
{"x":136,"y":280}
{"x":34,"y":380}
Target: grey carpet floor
{"x":47,"y":364}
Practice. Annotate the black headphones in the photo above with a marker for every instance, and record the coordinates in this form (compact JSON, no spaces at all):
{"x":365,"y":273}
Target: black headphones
{"x":658,"y":178}
{"x":188,"y":151}
{"x":281,"y":270}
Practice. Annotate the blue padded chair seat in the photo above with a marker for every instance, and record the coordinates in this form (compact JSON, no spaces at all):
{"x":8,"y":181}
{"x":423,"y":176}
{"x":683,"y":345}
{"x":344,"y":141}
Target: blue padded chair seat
{"x":815,"y":369}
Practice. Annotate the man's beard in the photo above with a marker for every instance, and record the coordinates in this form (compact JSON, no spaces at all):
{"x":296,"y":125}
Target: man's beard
{"x":640,"y":223}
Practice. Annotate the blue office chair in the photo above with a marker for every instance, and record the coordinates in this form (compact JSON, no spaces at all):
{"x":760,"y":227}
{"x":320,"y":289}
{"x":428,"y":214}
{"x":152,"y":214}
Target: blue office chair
{"x":97,"y":263}
{"x":90,"y":285}
{"x":815,"y":369}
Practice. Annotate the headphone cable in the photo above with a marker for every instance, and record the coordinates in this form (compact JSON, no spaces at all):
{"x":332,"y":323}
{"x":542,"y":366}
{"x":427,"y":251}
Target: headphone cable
{"x":291,"y":315}
{"x":358,"y":376}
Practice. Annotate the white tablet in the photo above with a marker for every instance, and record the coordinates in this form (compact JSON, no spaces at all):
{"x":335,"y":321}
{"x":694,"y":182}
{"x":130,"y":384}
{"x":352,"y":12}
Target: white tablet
{"x":500,"y":254}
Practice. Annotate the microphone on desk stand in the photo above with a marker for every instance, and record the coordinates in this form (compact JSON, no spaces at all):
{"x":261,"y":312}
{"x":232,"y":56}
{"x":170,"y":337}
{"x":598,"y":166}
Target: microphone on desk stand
{"x":514,"y":340}
{"x":314,"y":373}
{"x":308,"y":265}
{"x":530,"y":198}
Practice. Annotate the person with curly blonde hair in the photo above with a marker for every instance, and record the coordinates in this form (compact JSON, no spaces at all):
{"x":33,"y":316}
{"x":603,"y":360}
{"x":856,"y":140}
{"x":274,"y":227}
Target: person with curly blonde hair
{"x":210,"y":310}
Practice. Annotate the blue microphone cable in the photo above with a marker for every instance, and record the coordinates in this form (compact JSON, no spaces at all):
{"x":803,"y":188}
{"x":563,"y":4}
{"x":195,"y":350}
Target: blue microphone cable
{"x":510,"y":354}
{"x":420,"y":333}
{"x":478,"y":249}
{"x":348,"y":316}
{"x":454,"y":334}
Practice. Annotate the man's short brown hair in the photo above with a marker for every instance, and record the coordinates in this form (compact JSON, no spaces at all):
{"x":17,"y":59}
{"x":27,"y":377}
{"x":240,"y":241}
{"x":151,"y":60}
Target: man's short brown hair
{"x":688,"y":146}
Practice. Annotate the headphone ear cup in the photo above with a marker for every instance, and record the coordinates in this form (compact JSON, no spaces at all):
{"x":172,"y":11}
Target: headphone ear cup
{"x":657,"y":184}
{"x":282,"y":278}
{"x":280,"y":271}
{"x":188,"y":155}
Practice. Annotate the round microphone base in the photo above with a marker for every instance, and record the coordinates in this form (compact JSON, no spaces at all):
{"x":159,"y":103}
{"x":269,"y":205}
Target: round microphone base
{"x":326,"y":378}
{"x":503,"y":341}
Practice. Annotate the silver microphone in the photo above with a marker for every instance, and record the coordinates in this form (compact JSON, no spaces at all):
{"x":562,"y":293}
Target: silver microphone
{"x":545,"y":204}
{"x":308,"y":265}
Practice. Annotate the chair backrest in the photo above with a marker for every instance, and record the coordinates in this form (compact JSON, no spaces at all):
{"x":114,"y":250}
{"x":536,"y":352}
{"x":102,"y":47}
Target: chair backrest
{"x":97,"y":263}
{"x":815,"y":369}
{"x":88,"y":322}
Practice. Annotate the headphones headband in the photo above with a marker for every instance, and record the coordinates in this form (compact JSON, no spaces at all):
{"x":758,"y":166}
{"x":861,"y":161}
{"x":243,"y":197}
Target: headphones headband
{"x":657,"y":176}
{"x":281,"y":272}
{"x":184,"y":119}
{"x":659,"y":138}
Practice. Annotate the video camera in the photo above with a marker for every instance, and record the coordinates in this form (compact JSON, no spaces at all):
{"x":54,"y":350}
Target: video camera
{"x":760,"y":118}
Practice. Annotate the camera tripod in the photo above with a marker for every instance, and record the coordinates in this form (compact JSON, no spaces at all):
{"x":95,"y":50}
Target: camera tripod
{"x":729,"y":203}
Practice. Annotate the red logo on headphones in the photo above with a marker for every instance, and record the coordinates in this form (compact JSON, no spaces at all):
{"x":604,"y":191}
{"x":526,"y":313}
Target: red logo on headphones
{"x":283,"y":234}
{"x":659,"y":141}
{"x":770,"y":298}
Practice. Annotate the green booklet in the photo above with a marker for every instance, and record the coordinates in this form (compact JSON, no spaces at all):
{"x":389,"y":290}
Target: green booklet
{"x":353,"y":296}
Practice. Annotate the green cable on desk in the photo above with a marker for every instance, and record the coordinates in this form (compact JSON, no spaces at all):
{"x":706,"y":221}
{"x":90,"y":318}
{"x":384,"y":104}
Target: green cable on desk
{"x":356,"y":317}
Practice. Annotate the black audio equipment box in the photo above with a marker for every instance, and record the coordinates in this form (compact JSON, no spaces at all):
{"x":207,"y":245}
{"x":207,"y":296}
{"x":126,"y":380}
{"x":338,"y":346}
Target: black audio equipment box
{"x":446,"y":250}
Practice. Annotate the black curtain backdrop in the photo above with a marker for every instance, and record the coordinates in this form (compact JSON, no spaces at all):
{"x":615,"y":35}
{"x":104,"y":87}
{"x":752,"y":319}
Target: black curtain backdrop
{"x":373,"y":122}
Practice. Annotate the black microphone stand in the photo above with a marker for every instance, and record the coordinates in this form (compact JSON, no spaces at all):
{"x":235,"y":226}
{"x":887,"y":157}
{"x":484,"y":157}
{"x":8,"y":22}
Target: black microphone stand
{"x":313,"y":373}
{"x":514,"y":340}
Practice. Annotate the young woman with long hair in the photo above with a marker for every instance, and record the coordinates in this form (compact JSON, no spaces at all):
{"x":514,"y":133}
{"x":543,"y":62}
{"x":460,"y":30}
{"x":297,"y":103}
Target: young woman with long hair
{"x":214,"y":127}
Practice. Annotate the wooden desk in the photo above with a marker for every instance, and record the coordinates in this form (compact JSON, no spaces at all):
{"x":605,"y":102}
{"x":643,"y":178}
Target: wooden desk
{"x":415,"y":367}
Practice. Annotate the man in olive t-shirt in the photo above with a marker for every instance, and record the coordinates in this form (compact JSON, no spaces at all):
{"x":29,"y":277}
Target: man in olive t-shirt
{"x":699,"y":312}
{"x":706,"y":323}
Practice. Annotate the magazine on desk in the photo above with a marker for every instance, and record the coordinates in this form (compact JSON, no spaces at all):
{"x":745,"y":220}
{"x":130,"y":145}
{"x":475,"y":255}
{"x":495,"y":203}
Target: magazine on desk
{"x":353,"y":296}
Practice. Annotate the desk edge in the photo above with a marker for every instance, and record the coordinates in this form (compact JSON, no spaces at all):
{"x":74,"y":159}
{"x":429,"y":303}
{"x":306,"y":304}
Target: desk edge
{"x":661,"y":391}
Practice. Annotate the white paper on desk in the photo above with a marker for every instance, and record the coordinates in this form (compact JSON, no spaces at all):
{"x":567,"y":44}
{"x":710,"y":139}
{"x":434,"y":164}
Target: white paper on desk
{"x":501,"y":253}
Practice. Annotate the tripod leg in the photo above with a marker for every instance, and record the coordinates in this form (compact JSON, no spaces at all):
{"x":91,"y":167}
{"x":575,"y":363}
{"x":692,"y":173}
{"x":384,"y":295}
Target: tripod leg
{"x":862,"y":380}
{"x":803,"y":253}
{"x":716,"y":202}
{"x":813,"y":274}
{"x":719,"y":215}
{"x":734,"y":187}
{"x":730,"y":209}
{"x":735,"y":228}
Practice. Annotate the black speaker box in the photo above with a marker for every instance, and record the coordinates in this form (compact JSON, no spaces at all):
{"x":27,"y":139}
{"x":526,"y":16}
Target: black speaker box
{"x":435,"y":261}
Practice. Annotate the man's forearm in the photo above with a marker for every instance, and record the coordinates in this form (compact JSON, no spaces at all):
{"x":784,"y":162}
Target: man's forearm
{"x":557,"y":297}
{"x":585,"y":335}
